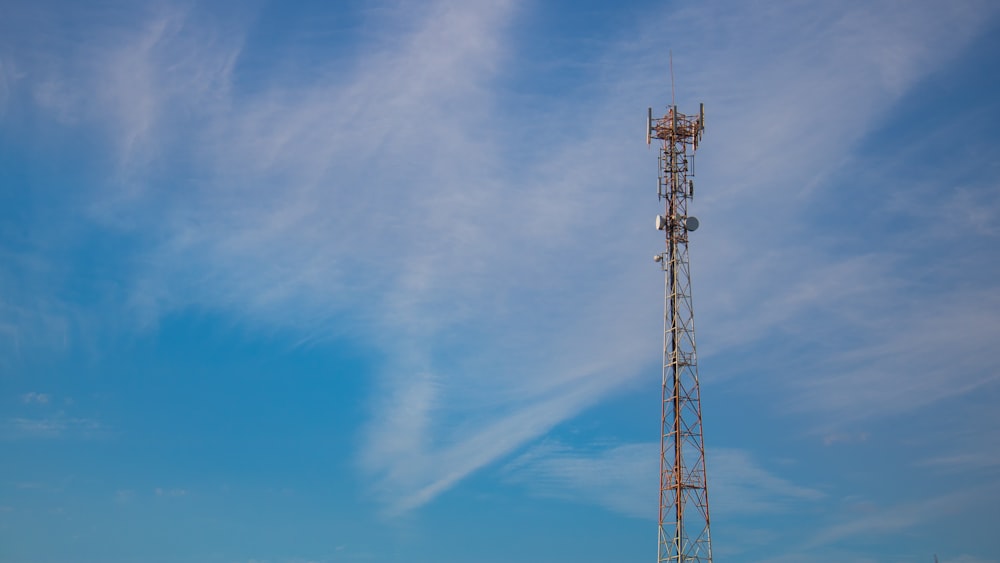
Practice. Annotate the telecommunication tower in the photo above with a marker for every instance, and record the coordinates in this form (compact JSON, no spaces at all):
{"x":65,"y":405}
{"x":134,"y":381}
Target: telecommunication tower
{"x":683,"y":522}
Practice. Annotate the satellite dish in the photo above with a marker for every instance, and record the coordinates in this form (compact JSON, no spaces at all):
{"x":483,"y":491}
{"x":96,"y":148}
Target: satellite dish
{"x":691,"y":224}
{"x":661,"y":222}
{"x":649,"y":126}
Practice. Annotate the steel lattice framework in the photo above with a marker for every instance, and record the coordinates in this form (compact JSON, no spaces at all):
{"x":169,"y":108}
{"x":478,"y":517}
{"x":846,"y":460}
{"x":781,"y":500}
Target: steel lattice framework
{"x":683,"y":521}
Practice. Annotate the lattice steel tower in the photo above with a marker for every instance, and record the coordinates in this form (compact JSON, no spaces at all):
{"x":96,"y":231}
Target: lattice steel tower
{"x":684,"y":522}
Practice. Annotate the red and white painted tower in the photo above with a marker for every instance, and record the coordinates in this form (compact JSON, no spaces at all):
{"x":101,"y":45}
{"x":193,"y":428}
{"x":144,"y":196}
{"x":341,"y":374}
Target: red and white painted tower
{"x":684,"y":522}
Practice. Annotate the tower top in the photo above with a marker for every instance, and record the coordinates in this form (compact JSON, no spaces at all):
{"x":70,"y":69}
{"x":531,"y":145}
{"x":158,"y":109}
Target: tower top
{"x":676,"y":126}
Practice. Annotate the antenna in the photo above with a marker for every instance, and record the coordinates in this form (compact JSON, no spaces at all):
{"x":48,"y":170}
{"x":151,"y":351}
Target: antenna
{"x":649,"y":126}
{"x":673,"y":100}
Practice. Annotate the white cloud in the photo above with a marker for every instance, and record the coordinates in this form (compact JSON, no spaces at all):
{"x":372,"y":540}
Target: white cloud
{"x":901,"y":370}
{"x":6,"y":80}
{"x":36,"y":398}
{"x":28,"y":321}
{"x":58,"y":425}
{"x":963,"y":442}
{"x":381,"y":198}
{"x":895,"y":518}
{"x":967,"y":559}
{"x":424,"y":468}
{"x":741,"y":485}
{"x":965,"y":461}
{"x":844,"y":438}
{"x":620,"y":478}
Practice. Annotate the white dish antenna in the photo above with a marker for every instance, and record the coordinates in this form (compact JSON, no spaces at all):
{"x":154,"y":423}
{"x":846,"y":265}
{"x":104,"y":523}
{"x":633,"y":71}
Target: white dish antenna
{"x":690,"y":223}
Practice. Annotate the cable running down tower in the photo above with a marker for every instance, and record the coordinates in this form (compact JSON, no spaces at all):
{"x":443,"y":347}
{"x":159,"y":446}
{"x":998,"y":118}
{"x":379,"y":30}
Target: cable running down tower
{"x":683,"y":521}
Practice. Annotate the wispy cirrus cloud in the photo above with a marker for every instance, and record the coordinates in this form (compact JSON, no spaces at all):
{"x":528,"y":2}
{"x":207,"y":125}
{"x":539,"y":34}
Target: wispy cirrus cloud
{"x":41,"y":418}
{"x":58,"y":425}
{"x":812,"y":121}
{"x":903,"y":516}
{"x":967,"y":559}
{"x":35,"y":397}
{"x":31,"y":317}
{"x":175,"y":492}
{"x":962,"y":441}
{"x":620,"y":478}
{"x":845,"y":534}
{"x":383,"y":197}
{"x":742,"y":485}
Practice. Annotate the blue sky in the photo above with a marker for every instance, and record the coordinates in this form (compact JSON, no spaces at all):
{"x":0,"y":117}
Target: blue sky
{"x":350,"y":282}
